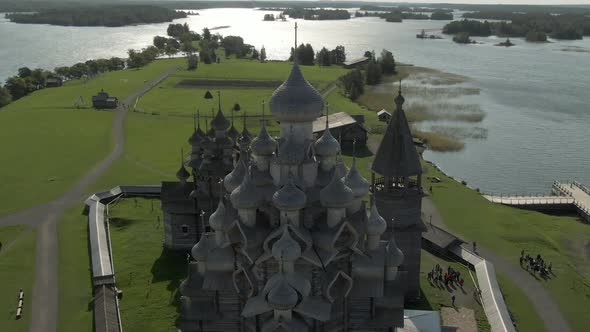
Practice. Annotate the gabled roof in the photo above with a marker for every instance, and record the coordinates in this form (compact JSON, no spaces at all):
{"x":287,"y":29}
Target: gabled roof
{"x":381,"y":112}
{"x":337,"y":120}
{"x":397,"y":155}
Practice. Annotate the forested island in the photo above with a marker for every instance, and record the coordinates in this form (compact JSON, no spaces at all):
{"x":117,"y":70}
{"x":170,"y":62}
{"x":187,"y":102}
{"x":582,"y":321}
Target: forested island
{"x":317,"y":14}
{"x":104,"y":15}
{"x":534,"y":27}
{"x":397,"y":16}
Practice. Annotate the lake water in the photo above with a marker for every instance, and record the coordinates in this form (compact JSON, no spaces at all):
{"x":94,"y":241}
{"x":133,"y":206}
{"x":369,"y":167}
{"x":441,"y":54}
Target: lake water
{"x":536,"y":96}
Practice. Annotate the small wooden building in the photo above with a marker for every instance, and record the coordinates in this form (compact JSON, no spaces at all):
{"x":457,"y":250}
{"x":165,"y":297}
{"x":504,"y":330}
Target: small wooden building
{"x":53,"y":82}
{"x":350,"y":64}
{"x":384,"y":116}
{"x":343,"y":127}
{"x":103,"y":100}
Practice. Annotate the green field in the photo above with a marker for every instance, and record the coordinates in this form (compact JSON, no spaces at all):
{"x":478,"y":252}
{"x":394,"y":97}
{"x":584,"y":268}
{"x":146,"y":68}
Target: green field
{"x":48,"y":144}
{"x":75,"y":273}
{"x":17,"y":261}
{"x":505,"y":230}
{"x":148,"y":276}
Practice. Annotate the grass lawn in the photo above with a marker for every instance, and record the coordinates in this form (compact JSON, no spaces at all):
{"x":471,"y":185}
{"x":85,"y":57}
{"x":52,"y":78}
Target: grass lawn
{"x":148,"y":276}
{"x":48,"y":144}
{"x":505,"y":230}
{"x":17,"y":261}
{"x":75,"y":273}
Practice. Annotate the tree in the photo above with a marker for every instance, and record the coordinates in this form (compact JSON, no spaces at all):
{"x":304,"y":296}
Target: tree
{"x":387,"y":62}
{"x":177,"y":30}
{"x":160,"y":42}
{"x":5,"y":97}
{"x":338,"y":55}
{"x":368,"y":55}
{"x":206,"y":34}
{"x":116,"y":64}
{"x":136,"y":59}
{"x":374,"y":72}
{"x":63,"y":72}
{"x":354,"y":83}
{"x":92,"y":67}
{"x":17,"y":87}
{"x":263,"y":54}
{"x":255,"y":54}
{"x":24,"y":72}
{"x":78,"y":70}
{"x":192,"y":61}
{"x":305,"y":54}
{"x":324,"y":57}
{"x":170,"y":51}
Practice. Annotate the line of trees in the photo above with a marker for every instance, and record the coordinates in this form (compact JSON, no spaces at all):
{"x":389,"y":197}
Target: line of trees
{"x":535,"y":27}
{"x":29,"y":80}
{"x":317,"y":14}
{"x":326,"y":57}
{"x":398,"y":16}
{"x":103,"y":15}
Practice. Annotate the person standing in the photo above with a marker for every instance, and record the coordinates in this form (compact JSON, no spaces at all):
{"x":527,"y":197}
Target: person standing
{"x":453,"y":300}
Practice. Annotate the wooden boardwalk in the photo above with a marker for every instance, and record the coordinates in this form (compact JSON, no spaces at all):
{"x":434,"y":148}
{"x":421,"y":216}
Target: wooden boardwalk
{"x":564,"y":196}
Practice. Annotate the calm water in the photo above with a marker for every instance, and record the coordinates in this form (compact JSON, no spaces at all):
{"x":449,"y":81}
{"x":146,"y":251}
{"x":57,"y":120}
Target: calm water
{"x":536,"y":96}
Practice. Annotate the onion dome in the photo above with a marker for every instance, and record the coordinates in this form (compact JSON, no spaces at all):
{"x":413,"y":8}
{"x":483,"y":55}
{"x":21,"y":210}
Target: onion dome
{"x":286,"y":249}
{"x":336,"y":194}
{"x":211,"y":133}
{"x":219,"y":122}
{"x":182,"y":174}
{"x":340,"y":169}
{"x":235,"y":178}
{"x":233,"y":133}
{"x":290,"y":152}
{"x":289,"y":198}
{"x":201,"y":249}
{"x":376,"y":225}
{"x":355,"y":181}
{"x":196,"y":138}
{"x":263,"y":144}
{"x":247,"y":195}
{"x":296,"y":100}
{"x":395,"y":257}
{"x":327,"y":145}
{"x":218,"y":219}
{"x":282,"y":296}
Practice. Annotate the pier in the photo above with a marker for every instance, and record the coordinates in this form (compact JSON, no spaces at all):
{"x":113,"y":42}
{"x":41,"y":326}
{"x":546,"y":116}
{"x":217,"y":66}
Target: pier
{"x":565,"y":196}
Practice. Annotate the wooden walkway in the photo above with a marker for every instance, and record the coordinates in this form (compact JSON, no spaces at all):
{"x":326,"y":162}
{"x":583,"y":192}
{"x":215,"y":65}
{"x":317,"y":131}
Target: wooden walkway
{"x":565,"y":196}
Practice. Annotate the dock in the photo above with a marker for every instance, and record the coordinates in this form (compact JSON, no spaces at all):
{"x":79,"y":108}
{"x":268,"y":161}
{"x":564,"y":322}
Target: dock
{"x":565,"y":196}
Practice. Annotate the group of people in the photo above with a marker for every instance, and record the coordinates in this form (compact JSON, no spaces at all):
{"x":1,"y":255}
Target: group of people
{"x":535,"y":264}
{"x":448,"y":277}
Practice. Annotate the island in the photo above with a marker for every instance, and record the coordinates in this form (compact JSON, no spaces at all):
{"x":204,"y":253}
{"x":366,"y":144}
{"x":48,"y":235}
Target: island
{"x":317,"y":14}
{"x":424,"y":35}
{"x":507,"y":43}
{"x":108,"y":16}
{"x":534,"y":27}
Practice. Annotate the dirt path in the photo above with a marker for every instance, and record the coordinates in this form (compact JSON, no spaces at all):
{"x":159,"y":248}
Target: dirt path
{"x":46,"y":215}
{"x":542,"y":301}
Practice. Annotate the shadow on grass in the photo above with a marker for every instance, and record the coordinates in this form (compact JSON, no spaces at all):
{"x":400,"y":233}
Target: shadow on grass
{"x":421,"y":304}
{"x":171,"y":267}
{"x":121,"y":223}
